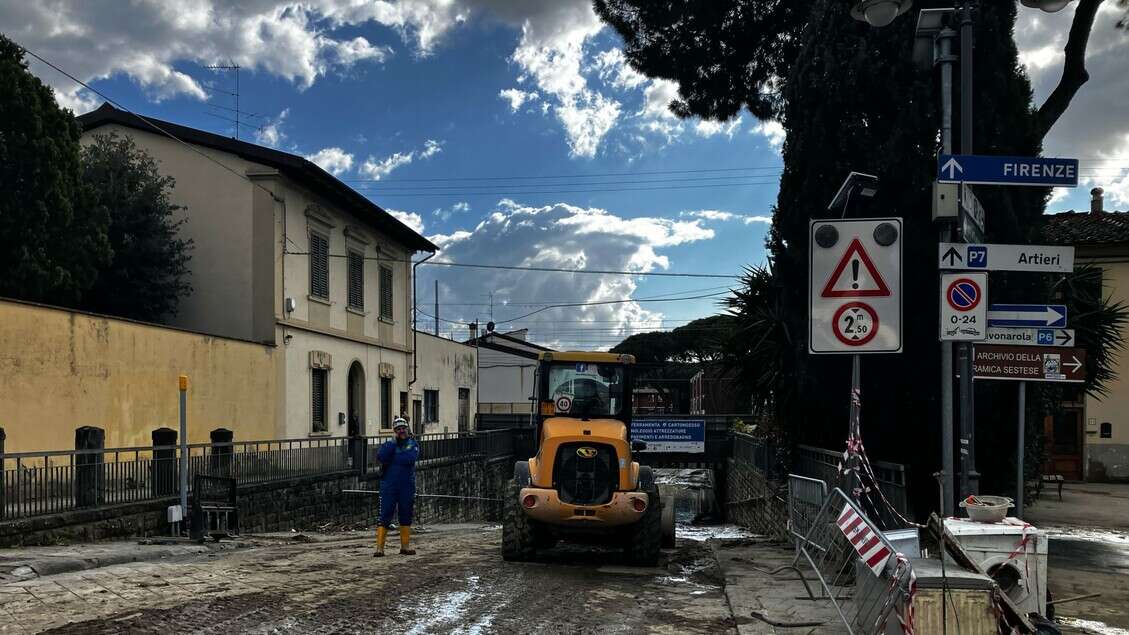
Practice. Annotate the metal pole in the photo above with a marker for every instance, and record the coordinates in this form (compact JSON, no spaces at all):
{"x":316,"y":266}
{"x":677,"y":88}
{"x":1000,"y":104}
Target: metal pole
{"x":1019,"y":452}
{"x":437,"y":307}
{"x":184,"y":446}
{"x":854,"y":432}
{"x":970,"y":479}
{"x":947,"y":463}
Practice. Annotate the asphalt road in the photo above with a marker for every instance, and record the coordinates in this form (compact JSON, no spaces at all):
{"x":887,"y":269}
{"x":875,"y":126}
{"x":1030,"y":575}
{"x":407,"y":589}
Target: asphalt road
{"x":457,"y":584}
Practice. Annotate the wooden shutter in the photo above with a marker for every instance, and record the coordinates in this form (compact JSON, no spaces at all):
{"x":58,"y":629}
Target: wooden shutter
{"x":317,"y":400}
{"x":319,"y":266}
{"x":356,"y":280}
{"x":386,"y":293}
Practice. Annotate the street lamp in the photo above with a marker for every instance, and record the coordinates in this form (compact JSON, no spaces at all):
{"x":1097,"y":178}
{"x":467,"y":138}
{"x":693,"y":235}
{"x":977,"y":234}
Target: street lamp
{"x":882,"y":12}
{"x":1050,"y":6}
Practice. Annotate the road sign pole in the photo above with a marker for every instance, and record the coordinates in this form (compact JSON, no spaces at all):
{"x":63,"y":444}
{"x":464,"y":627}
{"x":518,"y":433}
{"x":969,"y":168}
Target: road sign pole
{"x":854,"y":479}
{"x":969,"y":477}
{"x":947,"y":464}
{"x":1019,"y":452}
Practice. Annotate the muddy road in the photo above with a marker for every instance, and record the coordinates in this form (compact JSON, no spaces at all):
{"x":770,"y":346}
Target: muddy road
{"x":457,"y":584}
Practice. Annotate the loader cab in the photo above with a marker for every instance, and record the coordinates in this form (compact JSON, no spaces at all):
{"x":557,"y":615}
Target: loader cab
{"x":584,"y":386}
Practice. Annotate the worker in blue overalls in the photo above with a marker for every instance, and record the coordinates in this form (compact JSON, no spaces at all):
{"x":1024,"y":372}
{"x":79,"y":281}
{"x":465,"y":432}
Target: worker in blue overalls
{"x":398,"y":485}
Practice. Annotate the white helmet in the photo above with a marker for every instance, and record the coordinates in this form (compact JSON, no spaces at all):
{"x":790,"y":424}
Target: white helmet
{"x":399,"y":422}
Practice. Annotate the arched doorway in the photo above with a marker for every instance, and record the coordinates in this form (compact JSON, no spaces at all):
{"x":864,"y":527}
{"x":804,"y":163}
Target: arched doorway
{"x":356,"y":399}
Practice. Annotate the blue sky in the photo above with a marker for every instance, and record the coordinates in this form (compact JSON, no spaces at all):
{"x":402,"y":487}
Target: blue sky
{"x":467,"y":95}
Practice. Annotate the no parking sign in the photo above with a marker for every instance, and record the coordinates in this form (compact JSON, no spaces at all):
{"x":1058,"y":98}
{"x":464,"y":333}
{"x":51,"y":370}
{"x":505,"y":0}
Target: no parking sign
{"x":964,"y":307}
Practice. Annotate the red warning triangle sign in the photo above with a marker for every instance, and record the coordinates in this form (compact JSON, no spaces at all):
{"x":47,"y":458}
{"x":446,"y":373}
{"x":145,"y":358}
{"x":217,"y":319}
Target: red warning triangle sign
{"x":855,"y":276}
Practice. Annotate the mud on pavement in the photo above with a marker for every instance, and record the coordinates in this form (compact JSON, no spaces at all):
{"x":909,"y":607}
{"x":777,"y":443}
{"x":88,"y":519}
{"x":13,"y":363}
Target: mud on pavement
{"x":457,"y":584}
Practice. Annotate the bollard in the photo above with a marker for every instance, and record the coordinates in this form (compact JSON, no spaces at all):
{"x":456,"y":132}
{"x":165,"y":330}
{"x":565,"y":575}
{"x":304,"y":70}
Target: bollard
{"x":219,"y":464}
{"x":164,"y":462}
{"x":89,"y":488}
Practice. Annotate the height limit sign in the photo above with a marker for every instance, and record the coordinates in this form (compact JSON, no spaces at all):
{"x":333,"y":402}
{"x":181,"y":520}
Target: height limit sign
{"x":855,"y":286}
{"x":964,"y":307}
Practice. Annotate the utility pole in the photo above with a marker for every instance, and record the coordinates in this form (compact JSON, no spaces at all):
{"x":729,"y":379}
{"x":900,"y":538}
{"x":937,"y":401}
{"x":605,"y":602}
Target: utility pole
{"x":969,"y":477}
{"x":183,"y":384}
{"x":948,"y":469}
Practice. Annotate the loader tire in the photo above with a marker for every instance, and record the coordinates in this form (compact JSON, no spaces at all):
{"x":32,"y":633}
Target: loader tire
{"x":646,"y":539}
{"x":518,"y":535}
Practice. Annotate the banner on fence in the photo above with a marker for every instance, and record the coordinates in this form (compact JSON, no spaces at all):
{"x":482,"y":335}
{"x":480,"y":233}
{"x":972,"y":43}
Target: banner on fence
{"x":671,"y":435}
{"x":870,"y":548}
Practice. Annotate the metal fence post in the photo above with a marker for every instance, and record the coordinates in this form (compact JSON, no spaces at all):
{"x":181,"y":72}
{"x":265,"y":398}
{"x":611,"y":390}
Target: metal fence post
{"x":88,"y":486}
{"x":183,"y":381}
{"x":3,"y":502}
{"x":164,"y":462}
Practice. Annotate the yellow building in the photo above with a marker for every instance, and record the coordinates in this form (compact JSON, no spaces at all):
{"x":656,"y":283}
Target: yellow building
{"x":1089,"y":438}
{"x":60,"y":370}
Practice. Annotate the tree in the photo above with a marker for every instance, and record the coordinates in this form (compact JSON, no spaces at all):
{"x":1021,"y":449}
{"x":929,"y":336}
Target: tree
{"x":148,"y":274}
{"x":850,"y":98}
{"x":52,"y":240}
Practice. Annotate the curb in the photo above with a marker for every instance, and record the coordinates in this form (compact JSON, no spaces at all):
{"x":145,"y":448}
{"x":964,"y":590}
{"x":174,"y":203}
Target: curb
{"x":46,"y":565}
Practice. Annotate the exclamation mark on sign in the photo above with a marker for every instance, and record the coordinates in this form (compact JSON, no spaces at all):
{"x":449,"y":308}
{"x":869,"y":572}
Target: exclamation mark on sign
{"x":855,"y":273}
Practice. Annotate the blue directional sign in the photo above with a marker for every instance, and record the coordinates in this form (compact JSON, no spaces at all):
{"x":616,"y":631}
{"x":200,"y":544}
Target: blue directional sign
{"x":1027,"y":315}
{"x":994,"y":170}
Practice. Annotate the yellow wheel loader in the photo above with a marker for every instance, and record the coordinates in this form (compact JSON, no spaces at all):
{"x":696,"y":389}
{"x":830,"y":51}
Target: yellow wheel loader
{"x":582,"y":484}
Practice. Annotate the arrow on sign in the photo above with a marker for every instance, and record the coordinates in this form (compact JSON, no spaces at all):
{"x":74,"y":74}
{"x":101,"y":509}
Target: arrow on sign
{"x":1075,"y":365}
{"x":1027,"y":315}
{"x":953,"y":167}
{"x":953,"y":256}
{"x":1062,"y":338}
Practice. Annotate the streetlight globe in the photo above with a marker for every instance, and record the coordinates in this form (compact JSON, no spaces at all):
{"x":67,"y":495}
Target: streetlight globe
{"x":1050,"y":6}
{"x":879,"y":13}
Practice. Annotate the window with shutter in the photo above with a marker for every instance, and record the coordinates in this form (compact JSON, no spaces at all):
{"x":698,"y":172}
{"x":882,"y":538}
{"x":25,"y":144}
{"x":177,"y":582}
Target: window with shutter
{"x":356,"y":280}
{"x":386,"y":293}
{"x":319,"y":266}
{"x":318,"y":420}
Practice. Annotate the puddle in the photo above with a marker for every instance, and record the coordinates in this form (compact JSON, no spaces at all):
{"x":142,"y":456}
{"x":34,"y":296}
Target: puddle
{"x":446,"y":609}
{"x":1092,"y":626}
{"x":1093,"y":535}
{"x":701,"y":533}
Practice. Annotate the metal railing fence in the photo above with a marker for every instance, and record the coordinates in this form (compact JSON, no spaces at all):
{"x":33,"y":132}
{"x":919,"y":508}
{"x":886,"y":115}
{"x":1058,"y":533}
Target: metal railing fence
{"x":762,"y":454}
{"x":41,"y":483}
{"x":823,"y":464}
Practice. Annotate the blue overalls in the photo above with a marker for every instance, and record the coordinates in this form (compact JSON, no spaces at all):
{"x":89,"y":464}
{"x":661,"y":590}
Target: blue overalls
{"x":398,"y":486}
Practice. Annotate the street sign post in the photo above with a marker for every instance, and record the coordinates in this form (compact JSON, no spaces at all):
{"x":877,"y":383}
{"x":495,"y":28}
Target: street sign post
{"x":1031,"y":258}
{"x":999,"y":170}
{"x":855,"y":286}
{"x":1027,"y":315}
{"x":964,"y":306}
{"x":1026,"y":363}
{"x":1030,"y":337}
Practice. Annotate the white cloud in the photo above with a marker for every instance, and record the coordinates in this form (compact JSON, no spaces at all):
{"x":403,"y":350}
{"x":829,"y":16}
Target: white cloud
{"x":1095,"y":127}
{"x":333,"y":160}
{"x":446,"y":214}
{"x":723,"y":216}
{"x":411,"y":219}
{"x":656,"y":115}
{"x":773,"y":131}
{"x":559,"y":236}
{"x":149,"y":41}
{"x":377,"y":169}
{"x":612,"y":67}
{"x":461,"y":206}
{"x":271,"y":134}
{"x":517,"y":97}
{"x":706,"y":128}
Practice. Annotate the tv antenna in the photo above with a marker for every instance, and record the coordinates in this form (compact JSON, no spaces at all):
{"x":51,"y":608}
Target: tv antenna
{"x":237,"y":115}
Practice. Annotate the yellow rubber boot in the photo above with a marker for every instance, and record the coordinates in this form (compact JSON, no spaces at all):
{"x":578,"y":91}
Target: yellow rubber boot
{"x":405,"y":541}
{"x":381,"y":533}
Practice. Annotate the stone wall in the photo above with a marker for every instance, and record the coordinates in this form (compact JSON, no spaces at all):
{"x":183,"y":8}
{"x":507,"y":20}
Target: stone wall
{"x":305,"y":503}
{"x":755,"y":502}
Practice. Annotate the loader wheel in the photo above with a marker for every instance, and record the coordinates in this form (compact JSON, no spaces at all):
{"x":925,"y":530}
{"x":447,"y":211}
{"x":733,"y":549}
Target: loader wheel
{"x":668,"y":524}
{"x":646,"y":537}
{"x":517,"y":529}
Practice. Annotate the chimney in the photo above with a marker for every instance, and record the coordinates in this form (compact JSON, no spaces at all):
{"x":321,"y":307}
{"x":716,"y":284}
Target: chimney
{"x":1096,"y":202}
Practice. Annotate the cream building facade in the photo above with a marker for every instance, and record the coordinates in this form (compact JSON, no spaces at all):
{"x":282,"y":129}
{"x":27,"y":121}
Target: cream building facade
{"x":287,"y":255}
{"x":1089,"y":437}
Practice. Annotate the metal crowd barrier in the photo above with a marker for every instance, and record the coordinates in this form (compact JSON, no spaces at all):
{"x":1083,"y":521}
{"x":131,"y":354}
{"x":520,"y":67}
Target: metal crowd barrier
{"x":859,"y":571}
{"x":805,"y":498}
